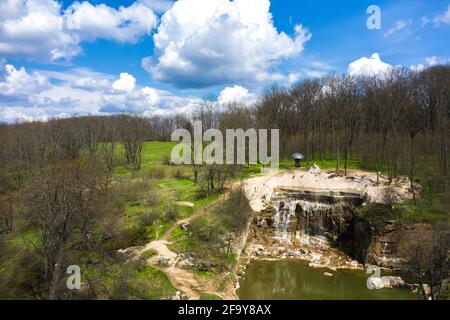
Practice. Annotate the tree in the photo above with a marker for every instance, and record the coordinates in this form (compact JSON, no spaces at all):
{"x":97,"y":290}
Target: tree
{"x":428,"y":260}
{"x":132,"y":135}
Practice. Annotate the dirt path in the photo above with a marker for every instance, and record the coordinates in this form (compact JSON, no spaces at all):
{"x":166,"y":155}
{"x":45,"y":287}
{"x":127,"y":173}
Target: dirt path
{"x":166,"y":260}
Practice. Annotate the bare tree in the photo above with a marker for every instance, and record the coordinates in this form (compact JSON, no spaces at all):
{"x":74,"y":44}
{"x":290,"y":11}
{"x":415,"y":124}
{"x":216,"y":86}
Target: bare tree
{"x":132,"y":135}
{"x":428,"y":259}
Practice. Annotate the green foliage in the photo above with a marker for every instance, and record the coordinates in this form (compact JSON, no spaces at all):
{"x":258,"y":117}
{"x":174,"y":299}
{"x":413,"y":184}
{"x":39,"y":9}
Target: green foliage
{"x":235,"y":210}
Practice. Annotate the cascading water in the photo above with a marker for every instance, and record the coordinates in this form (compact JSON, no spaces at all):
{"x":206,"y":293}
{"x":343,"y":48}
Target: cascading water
{"x":282,"y":219}
{"x":285,"y":212}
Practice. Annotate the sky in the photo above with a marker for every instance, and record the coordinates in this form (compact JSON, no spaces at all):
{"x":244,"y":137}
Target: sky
{"x":159,"y":57}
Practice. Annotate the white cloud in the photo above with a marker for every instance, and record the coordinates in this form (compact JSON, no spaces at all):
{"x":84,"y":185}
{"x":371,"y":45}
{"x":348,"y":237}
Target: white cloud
{"x":34,"y":29}
{"x":41,"y":95}
{"x":90,"y":83}
{"x":39,"y":30}
{"x":125,"y":83}
{"x":236,"y":94}
{"x":126,"y":24}
{"x":443,"y":18}
{"x":429,"y":62}
{"x":398,"y":26}
{"x":158,"y":6}
{"x":294,"y":77}
{"x":19,"y":82}
{"x":368,"y":66}
{"x":203,"y":43}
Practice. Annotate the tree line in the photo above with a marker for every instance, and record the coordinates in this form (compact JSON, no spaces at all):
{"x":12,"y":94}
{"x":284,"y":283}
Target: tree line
{"x":58,"y":174}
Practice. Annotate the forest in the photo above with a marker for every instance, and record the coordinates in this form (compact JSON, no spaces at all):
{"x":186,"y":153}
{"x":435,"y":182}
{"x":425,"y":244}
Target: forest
{"x":67,"y":184}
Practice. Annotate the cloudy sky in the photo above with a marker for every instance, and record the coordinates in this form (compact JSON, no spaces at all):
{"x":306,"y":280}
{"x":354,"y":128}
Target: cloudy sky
{"x":63,"y":58}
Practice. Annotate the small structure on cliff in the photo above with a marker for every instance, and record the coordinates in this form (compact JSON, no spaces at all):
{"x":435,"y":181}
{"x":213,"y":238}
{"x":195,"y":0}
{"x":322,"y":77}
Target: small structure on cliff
{"x":298,"y":159}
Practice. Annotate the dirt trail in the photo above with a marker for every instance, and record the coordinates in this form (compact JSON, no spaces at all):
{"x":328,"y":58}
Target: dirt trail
{"x":182,"y":279}
{"x":166,"y":260}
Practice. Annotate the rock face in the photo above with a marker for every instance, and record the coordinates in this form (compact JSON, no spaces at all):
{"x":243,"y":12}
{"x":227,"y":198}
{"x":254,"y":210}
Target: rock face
{"x":388,"y":246}
{"x":307,"y":219}
{"x":302,"y":221}
{"x":313,"y":213}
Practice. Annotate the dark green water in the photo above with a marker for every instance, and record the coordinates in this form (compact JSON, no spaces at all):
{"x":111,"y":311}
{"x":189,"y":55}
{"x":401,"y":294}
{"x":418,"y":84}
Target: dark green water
{"x":294,"y":280}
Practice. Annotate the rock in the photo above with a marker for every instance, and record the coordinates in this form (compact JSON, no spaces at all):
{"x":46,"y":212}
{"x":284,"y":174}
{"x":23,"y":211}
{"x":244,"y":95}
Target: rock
{"x":186,"y":264}
{"x":184,"y":226}
{"x":426,"y":289}
{"x":315,"y":257}
{"x":384,"y":282}
{"x":164,"y":262}
{"x":354,"y":263}
{"x":327,"y":274}
{"x":203,"y":265}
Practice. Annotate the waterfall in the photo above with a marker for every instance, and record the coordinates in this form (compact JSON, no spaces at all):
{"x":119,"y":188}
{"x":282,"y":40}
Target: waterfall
{"x":282,"y":220}
{"x":277,"y":219}
{"x":285,"y":212}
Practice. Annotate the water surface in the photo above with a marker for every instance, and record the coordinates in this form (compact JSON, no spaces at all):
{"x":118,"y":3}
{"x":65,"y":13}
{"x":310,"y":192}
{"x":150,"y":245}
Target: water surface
{"x":295,"y":280}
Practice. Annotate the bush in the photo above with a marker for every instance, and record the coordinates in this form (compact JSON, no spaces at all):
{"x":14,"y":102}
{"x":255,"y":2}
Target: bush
{"x":204,"y":230}
{"x":158,"y":173}
{"x":178,"y":174}
{"x":171,"y":213}
{"x":236,"y":210}
{"x":165,"y":160}
{"x":149,"y":218}
{"x":153,"y":199}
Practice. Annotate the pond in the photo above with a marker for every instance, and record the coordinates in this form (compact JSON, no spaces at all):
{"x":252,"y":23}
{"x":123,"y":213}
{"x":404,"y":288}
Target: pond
{"x":295,"y":280}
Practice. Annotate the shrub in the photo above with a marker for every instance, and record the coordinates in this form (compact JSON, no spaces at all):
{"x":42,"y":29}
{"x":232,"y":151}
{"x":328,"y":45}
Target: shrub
{"x":171,"y":213}
{"x":149,"y":218}
{"x":152,"y":199}
{"x":165,"y":160}
{"x":204,"y":230}
{"x":158,"y":173}
{"x":177,"y":173}
{"x":236,"y":210}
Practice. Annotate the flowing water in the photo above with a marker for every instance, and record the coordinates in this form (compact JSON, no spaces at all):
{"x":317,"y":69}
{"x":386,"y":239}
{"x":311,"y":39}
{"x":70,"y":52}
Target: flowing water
{"x":294,"y":280}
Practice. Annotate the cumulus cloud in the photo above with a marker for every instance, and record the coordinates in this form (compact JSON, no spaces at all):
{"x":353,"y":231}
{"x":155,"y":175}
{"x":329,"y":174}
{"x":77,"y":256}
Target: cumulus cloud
{"x":444,"y":18}
{"x":236,"y":94}
{"x":203,"y":43}
{"x":126,"y":24}
{"x":159,"y":6}
{"x":90,"y":83}
{"x":125,"y":83}
{"x":429,"y":62}
{"x":39,"y":30}
{"x":34,"y":29}
{"x":41,"y":95}
{"x":19,"y":82}
{"x":368,"y":66}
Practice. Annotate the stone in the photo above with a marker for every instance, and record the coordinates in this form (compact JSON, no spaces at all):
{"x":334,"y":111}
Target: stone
{"x":354,"y":263}
{"x":184,"y":226}
{"x":385,"y":282}
{"x":164,"y":262}
{"x":186,"y":264}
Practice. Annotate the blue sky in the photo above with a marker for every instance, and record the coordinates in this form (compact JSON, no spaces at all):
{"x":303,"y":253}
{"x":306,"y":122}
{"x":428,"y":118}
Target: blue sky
{"x":60,"y":58}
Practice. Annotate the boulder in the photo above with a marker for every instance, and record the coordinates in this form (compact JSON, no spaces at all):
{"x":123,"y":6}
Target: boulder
{"x":164,"y":262}
{"x":384,"y":282}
